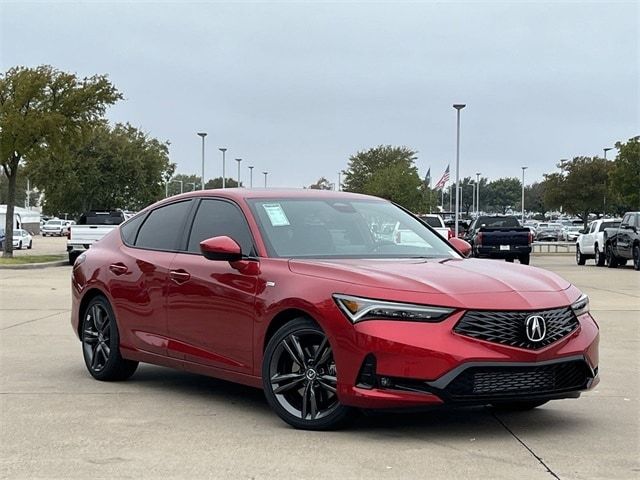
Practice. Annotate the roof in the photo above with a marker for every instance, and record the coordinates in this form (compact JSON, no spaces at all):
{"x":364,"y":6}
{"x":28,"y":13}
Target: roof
{"x":267,"y":193}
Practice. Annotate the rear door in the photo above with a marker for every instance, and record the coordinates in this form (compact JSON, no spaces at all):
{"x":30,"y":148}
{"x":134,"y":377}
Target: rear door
{"x":211,"y":303}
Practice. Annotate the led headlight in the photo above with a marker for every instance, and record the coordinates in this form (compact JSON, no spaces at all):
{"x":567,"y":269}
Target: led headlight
{"x":581,"y":305}
{"x":357,"y":309}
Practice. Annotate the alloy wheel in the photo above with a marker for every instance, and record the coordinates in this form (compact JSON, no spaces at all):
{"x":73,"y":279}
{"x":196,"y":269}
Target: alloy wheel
{"x":96,"y":337}
{"x":303,"y":375}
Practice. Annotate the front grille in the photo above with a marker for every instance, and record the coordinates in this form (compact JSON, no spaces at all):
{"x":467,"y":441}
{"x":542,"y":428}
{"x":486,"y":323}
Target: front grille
{"x":510,"y":381}
{"x":508,"y":328}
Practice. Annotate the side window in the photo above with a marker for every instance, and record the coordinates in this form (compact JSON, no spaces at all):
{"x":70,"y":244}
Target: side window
{"x":632,"y":221}
{"x":163,"y":227}
{"x":216,"y":218}
{"x":129,"y":230}
{"x":625,"y":220}
{"x":593,"y":227}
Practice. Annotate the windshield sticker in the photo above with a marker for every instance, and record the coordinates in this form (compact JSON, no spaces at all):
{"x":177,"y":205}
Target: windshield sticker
{"x":276,"y":214}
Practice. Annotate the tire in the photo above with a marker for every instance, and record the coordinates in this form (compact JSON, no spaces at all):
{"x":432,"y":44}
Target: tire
{"x":509,"y":259}
{"x":101,"y":343}
{"x":72,"y":257}
{"x":636,"y":257}
{"x":524,"y":259}
{"x":611,"y":260}
{"x":580,"y":260}
{"x":20,"y":246}
{"x":518,"y":405}
{"x":622,"y":262}
{"x":30,"y":245}
{"x":599,"y":257}
{"x":299,"y":378}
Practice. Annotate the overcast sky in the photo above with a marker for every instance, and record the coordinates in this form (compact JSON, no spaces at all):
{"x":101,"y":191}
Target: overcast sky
{"x":295,"y":88}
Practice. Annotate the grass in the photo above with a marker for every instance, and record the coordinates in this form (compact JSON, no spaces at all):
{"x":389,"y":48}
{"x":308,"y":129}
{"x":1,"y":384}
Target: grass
{"x":25,"y":259}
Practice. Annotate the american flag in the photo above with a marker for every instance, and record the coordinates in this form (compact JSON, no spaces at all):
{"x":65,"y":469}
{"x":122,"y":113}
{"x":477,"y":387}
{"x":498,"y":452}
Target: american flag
{"x":443,"y":181}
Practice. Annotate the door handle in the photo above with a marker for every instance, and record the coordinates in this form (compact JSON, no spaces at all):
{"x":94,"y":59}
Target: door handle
{"x":118,"y":268}
{"x":179,"y":276}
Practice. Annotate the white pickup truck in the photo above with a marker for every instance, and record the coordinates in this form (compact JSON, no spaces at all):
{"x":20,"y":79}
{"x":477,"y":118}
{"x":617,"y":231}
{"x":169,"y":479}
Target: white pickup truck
{"x":91,"y":227}
{"x":591,"y":244}
{"x":436,"y":222}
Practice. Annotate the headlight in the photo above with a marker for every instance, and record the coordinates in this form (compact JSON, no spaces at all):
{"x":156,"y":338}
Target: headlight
{"x":581,"y":305}
{"x":358,"y":309}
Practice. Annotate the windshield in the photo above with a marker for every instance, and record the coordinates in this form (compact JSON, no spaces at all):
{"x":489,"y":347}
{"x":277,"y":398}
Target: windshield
{"x":340,"y":228}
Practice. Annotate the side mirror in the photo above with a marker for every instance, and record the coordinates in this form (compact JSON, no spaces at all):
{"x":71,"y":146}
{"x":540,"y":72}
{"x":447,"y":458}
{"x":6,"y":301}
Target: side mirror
{"x":463,"y":247}
{"x":221,"y":248}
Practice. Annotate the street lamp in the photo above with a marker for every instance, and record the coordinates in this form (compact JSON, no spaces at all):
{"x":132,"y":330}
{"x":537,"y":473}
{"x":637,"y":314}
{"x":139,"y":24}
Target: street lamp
{"x":458,"y":107}
{"x":339,"y":182}
{"x":223,"y":150}
{"x":202,"y":135}
{"x":250,"y":176}
{"x":194,"y":185}
{"x":478,"y":194}
{"x":522,"y":202}
{"x":605,"y":150}
{"x":265,"y":178}
{"x":473,"y":197}
{"x":238,"y":160}
{"x":166,"y":186}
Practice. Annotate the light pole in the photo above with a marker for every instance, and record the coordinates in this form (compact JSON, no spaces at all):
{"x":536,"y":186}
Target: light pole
{"x":522,"y":202}
{"x":223,"y":150}
{"x":194,"y":185}
{"x":458,"y":107}
{"x":202,"y":135}
{"x":473,"y":197}
{"x":478,"y":194}
{"x":339,"y":182}
{"x":238,"y":160}
{"x":250,"y":176}
{"x":605,"y":150}
{"x":265,"y":178}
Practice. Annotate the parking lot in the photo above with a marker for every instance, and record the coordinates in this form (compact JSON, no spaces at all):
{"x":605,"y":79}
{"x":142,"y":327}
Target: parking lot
{"x":56,"y":422}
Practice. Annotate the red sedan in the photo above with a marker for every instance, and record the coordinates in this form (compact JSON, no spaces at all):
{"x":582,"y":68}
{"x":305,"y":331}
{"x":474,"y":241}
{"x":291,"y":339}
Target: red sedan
{"x":303,"y":294}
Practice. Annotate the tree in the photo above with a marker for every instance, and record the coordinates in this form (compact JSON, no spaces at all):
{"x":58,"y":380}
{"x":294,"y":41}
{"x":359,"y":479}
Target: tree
{"x":625,"y":175}
{"x":534,"y":198}
{"x":387,"y":172}
{"x":104,"y":168}
{"x":321,"y":184}
{"x":21,"y":190}
{"x":217,"y":183}
{"x":579,"y":188}
{"x":41,"y":109}
{"x":190,"y":183}
{"x":502,"y":194}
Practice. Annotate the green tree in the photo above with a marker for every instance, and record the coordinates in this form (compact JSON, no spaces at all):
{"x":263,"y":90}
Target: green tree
{"x":579,"y":188}
{"x":190,"y":183}
{"x":321,"y":184}
{"x":501,"y":194}
{"x":624,"y":176}
{"x":388,"y":172}
{"x":217,"y":183}
{"x":21,"y":190}
{"x":534,"y":198}
{"x":41,"y":109}
{"x":104,"y":168}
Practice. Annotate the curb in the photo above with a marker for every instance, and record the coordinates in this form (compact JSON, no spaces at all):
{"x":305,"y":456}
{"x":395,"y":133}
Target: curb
{"x":33,"y":266}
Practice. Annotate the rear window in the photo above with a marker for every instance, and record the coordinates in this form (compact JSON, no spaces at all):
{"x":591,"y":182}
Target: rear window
{"x":499,"y":222}
{"x":432,"y":221}
{"x":604,"y":225}
{"x":101,"y":218}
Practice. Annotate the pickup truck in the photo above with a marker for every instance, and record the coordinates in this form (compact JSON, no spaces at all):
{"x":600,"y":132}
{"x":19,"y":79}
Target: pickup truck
{"x":500,"y":237}
{"x":91,"y":227}
{"x":590,"y":244}
{"x":623,"y":243}
{"x":436,"y":222}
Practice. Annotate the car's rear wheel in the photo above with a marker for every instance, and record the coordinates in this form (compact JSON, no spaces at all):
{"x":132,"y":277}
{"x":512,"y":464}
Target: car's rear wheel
{"x":19,"y":245}
{"x":509,"y":259}
{"x":519,"y":405}
{"x":30,"y":245}
{"x":525,"y":259}
{"x":73,"y":256}
{"x":611,"y":260}
{"x":636,"y":257}
{"x":101,"y":343}
{"x":599,"y":257}
{"x":300,"y":379}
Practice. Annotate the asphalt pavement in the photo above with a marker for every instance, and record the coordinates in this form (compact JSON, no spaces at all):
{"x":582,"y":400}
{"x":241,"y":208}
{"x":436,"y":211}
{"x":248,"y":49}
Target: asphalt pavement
{"x":57,"y":422}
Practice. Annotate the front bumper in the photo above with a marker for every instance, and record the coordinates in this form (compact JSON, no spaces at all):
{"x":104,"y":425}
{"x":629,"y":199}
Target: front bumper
{"x":421,"y":364}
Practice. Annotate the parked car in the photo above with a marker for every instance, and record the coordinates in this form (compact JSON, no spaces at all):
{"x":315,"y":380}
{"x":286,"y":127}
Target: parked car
{"x":590,"y":244}
{"x":570,"y":233}
{"x":54,"y":228}
{"x":250,"y":286}
{"x":623,"y":243}
{"x":500,"y":237}
{"x":436,"y":222}
{"x":22,"y":238}
{"x":91,"y":227}
{"x":549,"y":232}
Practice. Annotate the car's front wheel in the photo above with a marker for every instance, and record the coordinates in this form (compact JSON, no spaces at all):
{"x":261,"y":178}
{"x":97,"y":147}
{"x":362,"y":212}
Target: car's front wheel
{"x":579,"y":256}
{"x":101,"y":343}
{"x":611,"y":260}
{"x":636,"y":257}
{"x":300,"y":378}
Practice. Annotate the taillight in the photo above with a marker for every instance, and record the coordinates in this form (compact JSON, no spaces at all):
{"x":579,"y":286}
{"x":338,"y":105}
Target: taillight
{"x":530,"y":238}
{"x":449,"y":234}
{"x":479,"y":239}
{"x":69,"y":234}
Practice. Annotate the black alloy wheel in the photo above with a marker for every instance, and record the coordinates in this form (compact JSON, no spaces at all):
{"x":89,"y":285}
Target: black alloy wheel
{"x":611,"y":260}
{"x":599,"y":257}
{"x":300,"y":378}
{"x":580,"y":260}
{"x":100,"y":343}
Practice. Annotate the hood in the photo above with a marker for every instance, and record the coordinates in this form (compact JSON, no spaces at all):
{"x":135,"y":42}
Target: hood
{"x":451,"y":277}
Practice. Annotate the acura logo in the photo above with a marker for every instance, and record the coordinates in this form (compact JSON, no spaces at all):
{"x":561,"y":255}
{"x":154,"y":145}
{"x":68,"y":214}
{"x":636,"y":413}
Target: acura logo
{"x":536,"y":328}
